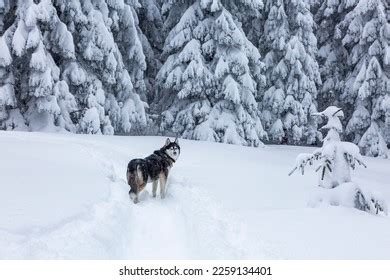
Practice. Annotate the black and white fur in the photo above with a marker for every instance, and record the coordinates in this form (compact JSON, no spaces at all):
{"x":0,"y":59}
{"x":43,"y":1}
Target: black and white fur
{"x":153,"y":168}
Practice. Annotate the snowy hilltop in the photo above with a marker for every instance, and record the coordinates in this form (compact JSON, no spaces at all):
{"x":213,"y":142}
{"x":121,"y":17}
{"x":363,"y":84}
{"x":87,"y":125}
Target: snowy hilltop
{"x":240,"y":72}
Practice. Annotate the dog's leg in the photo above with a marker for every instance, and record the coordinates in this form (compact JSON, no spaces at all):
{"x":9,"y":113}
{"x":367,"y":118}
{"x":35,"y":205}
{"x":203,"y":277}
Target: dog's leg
{"x":133,"y":196}
{"x":163,"y":182}
{"x":155,"y":182}
{"x":136,"y":199}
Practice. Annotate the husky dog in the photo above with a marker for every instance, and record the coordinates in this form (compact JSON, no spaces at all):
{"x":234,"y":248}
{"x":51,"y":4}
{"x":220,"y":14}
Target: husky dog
{"x":151,"y":169}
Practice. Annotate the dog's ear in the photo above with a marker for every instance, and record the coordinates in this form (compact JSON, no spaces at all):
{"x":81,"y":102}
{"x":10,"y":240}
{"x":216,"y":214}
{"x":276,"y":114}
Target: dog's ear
{"x":177,"y":141}
{"x":167,"y":142}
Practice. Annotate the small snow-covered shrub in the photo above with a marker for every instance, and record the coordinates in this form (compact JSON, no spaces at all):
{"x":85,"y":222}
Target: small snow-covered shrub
{"x":334,"y":162}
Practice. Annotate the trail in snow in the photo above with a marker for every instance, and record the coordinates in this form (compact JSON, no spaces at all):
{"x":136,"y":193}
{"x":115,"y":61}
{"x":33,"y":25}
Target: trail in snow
{"x":185,"y":225}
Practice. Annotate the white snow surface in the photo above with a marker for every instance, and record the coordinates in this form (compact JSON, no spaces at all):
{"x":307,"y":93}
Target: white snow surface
{"x":64,"y":196}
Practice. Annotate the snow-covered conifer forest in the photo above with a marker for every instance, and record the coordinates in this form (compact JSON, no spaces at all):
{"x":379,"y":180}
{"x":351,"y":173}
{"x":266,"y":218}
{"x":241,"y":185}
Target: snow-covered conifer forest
{"x":244,"y":72}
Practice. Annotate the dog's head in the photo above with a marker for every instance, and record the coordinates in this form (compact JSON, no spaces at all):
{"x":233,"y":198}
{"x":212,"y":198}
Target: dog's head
{"x":172,"y":149}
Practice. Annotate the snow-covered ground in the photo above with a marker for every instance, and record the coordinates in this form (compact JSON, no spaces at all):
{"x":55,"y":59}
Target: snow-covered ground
{"x":65,"y":196}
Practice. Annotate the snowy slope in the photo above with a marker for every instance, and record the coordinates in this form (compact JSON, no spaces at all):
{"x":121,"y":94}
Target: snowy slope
{"x":65,"y":196}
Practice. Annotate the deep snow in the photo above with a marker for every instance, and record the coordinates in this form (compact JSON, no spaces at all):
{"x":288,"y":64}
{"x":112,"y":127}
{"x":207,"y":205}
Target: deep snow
{"x":65,"y":196}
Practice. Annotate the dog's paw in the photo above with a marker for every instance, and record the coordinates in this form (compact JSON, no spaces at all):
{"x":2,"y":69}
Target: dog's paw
{"x":133,"y":197}
{"x":135,"y":200}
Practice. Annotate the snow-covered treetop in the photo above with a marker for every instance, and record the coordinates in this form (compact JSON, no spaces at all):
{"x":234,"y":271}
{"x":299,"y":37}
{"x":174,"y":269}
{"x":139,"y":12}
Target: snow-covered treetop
{"x":332,"y":113}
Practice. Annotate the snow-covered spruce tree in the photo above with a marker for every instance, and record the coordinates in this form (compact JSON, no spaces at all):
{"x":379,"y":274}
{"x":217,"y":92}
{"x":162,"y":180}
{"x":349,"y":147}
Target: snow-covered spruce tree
{"x":331,"y":54}
{"x":7,"y":93}
{"x":171,"y":13}
{"x":211,"y":78}
{"x":132,"y":44}
{"x":98,"y":76}
{"x":292,"y":73}
{"x":368,"y":86}
{"x":152,"y":38}
{"x":10,"y":117}
{"x":335,"y":159}
{"x":41,"y":97}
{"x":127,"y":35}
